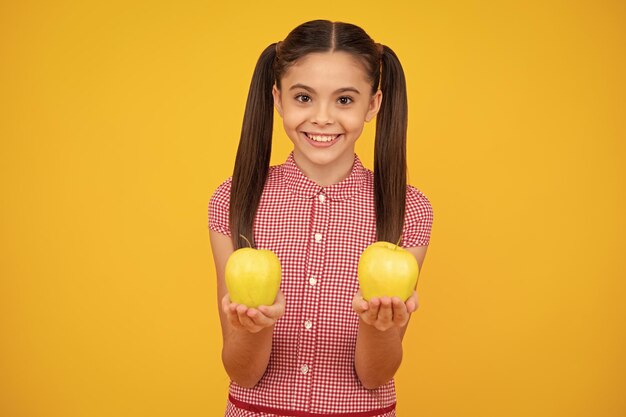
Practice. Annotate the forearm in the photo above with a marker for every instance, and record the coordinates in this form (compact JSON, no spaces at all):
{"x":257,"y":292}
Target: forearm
{"x":378,"y":354}
{"x":245,"y":355}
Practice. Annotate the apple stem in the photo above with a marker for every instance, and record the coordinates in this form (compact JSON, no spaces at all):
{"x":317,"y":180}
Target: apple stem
{"x":247,"y":241}
{"x":398,"y":242}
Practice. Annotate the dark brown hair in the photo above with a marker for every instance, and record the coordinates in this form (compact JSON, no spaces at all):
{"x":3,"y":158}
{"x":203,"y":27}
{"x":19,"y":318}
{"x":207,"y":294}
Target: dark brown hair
{"x":255,"y":144}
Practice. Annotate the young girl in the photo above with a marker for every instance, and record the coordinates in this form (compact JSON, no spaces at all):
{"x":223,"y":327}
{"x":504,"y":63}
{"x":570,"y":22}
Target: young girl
{"x":320,"y":349}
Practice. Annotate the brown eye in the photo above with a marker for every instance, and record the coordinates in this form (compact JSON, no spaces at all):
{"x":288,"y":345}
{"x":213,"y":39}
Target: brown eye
{"x":303,"y":98}
{"x":345,"y":100}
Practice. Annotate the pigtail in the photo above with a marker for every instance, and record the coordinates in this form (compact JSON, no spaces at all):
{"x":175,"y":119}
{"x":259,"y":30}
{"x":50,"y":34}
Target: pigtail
{"x":253,"y":154}
{"x":390,"y":150}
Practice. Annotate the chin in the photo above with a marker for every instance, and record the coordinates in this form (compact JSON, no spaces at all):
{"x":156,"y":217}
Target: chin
{"x":326,"y":156}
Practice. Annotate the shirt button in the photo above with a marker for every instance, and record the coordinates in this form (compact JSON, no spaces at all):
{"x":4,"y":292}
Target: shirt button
{"x":321,"y":198}
{"x":312,"y":281}
{"x":318,"y":237}
{"x":308,"y":324}
{"x":304,"y":369}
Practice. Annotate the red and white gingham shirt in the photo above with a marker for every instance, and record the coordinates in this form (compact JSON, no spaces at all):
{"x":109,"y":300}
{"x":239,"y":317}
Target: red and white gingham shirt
{"x":318,"y":233}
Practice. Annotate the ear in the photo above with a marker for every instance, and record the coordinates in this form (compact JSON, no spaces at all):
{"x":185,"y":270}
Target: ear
{"x":277,"y":100}
{"x":374,"y":105}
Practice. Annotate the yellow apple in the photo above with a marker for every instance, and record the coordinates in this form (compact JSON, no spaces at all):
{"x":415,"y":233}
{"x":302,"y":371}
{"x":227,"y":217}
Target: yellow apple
{"x":385,"y":269}
{"x":253,"y":277}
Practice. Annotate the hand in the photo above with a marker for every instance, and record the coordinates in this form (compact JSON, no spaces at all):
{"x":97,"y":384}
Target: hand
{"x":384,"y":313}
{"x":253,"y":319}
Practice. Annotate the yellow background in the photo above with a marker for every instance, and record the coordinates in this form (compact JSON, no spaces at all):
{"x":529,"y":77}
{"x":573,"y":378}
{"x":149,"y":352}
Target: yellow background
{"x":118,"y":119}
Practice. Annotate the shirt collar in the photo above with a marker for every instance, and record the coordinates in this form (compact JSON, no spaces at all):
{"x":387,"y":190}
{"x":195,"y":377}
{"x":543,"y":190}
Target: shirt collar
{"x":301,"y":185}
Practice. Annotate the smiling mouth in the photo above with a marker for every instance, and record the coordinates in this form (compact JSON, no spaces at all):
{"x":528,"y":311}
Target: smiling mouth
{"x":321,"y":138}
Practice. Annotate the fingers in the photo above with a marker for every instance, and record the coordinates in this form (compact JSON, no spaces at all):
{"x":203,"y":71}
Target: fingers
{"x":370,"y":316}
{"x":384,"y":313}
{"x":400,"y":312}
{"x":385,"y":321}
{"x":276,"y":310}
{"x":246,"y":322}
{"x":253,"y":319}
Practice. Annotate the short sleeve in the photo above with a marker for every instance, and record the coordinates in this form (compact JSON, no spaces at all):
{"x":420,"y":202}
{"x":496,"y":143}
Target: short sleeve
{"x":219,"y":205}
{"x":418,"y":219}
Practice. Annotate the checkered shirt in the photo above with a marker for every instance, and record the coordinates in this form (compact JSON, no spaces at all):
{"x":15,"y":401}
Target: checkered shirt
{"x":318,"y":233}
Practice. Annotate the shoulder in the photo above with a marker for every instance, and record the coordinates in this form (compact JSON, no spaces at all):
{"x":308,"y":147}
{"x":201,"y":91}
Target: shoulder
{"x":417,"y":203}
{"x":222,"y":192}
{"x":418,"y":218}
{"x":218,"y":208}
{"x":220,"y":199}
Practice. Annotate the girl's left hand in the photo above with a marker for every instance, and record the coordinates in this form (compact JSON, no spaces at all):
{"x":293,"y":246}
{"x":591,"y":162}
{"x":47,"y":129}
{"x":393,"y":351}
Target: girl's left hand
{"x":385,"y":312}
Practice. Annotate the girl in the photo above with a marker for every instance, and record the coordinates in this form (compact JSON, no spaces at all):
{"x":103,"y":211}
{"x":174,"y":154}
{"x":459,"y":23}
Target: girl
{"x":320,"y":349}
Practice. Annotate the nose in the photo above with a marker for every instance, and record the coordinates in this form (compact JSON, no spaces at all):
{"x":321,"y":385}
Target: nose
{"x":322,"y":115}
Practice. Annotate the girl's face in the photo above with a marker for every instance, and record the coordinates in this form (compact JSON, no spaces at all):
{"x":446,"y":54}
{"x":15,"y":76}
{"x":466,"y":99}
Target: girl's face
{"x":324,"y":101}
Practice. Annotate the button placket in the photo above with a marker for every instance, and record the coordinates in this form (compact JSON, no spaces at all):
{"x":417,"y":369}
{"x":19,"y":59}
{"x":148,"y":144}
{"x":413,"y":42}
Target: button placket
{"x":315,"y":261}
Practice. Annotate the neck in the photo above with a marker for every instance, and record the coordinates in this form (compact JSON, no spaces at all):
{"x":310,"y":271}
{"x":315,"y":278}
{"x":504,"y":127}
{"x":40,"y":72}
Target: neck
{"x":325,"y":175}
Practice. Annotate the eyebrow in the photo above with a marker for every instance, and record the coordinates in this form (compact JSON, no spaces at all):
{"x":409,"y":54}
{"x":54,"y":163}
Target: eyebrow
{"x":339,"y":90}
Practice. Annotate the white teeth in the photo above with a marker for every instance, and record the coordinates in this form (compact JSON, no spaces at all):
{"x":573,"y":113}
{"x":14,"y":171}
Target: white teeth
{"x":321,"y":138}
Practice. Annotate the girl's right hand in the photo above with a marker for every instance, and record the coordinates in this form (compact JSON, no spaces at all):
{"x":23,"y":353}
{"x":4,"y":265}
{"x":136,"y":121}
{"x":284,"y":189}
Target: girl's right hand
{"x":253,"y":319}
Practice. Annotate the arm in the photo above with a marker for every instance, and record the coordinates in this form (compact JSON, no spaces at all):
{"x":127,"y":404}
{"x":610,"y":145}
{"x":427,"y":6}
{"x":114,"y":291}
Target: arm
{"x":383,"y":322}
{"x":246,"y":332}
